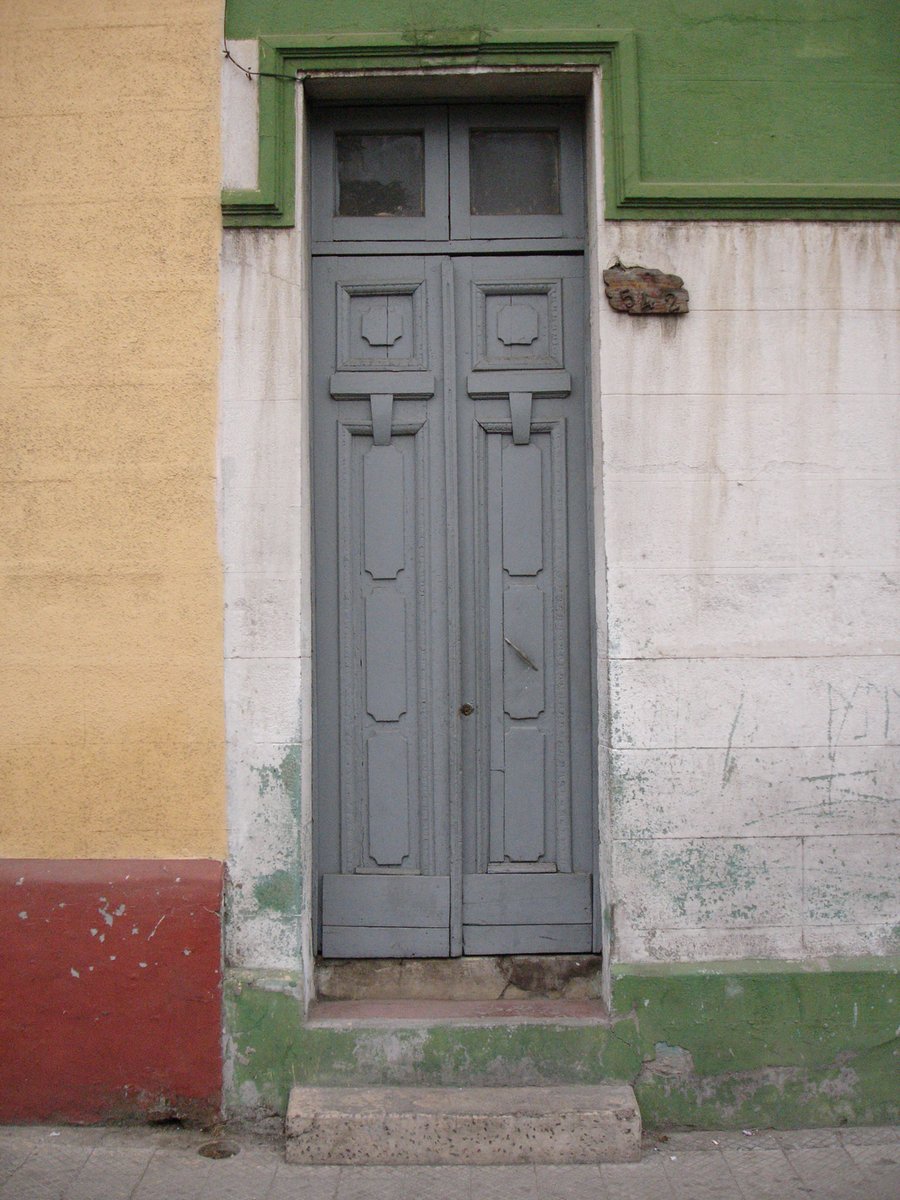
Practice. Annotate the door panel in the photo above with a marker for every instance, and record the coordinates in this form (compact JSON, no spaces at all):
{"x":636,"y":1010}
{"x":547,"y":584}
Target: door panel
{"x":450,"y":489}
{"x":528,"y":782}
{"x":381,"y":609}
{"x":385,"y":916}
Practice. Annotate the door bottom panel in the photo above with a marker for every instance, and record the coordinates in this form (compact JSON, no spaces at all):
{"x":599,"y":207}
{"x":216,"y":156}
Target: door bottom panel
{"x":526,"y":939}
{"x":526,"y":914}
{"x":393,"y":916}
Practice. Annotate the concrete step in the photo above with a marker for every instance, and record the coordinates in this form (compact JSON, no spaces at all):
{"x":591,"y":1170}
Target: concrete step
{"x":400,"y":1126}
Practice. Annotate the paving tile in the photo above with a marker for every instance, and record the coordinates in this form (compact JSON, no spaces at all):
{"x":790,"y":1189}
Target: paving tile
{"x":69,"y":1135}
{"x":764,"y":1176}
{"x":46,"y":1174}
{"x":807,"y":1139}
{"x":13,"y":1153}
{"x":172,"y":1173}
{"x":698,"y":1175}
{"x":713,"y":1140}
{"x":645,"y":1180}
{"x":829,"y":1171}
{"x":154,"y":1164}
{"x":569,"y":1183}
{"x":293,"y":1182}
{"x":389,"y":1183}
{"x":880,"y":1164}
{"x":504,"y":1183}
{"x":884,"y":1155}
{"x":874,"y":1135}
{"x":246,"y":1176}
{"x":111,"y":1173}
{"x":172,"y":1139}
{"x":738,"y":1139}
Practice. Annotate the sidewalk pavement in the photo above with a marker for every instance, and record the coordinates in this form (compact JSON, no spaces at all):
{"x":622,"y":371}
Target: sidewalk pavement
{"x":65,"y":1163}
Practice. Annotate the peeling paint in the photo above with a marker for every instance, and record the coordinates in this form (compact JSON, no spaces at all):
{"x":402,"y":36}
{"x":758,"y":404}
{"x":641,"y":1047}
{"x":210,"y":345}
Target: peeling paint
{"x":668,"y":1060}
{"x":279,"y":891}
{"x":82,"y":1038}
{"x":716,"y":1045}
{"x":285,"y":777}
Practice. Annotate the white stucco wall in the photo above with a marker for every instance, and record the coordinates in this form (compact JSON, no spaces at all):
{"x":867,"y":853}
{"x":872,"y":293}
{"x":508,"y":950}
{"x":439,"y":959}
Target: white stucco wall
{"x":748,"y":526}
{"x":750,"y":483}
{"x":265,"y":523}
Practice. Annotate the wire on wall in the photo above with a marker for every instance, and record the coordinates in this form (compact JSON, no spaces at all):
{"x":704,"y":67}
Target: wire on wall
{"x":251,"y":74}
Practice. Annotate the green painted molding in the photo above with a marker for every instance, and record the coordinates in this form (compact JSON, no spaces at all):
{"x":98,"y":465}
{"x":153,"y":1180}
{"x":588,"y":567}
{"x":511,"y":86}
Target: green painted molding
{"x":272,"y":203}
{"x":629,"y":194}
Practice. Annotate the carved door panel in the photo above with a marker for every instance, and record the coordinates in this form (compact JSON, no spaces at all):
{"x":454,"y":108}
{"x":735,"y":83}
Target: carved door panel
{"x":453,"y":717}
{"x":381,"y":608}
{"x":453,"y":730}
{"x":527,"y":778}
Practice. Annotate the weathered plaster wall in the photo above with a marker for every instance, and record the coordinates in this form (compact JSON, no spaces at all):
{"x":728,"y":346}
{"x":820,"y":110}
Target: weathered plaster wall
{"x":750,"y":454}
{"x":265,"y":523}
{"x":110,"y":583}
{"x":747,"y":453}
{"x":749,"y":516}
{"x":111,"y":1002}
{"x":713,"y":1045}
{"x":112,"y":789}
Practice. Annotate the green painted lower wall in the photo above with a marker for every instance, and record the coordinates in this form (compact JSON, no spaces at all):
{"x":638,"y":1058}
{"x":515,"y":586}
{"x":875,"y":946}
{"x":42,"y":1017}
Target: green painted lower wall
{"x":712,"y":1045}
{"x":764,"y":1044}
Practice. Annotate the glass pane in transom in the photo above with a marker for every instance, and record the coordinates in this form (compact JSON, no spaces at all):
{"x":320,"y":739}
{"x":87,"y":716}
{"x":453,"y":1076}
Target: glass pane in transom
{"x":380,"y":174}
{"x":513,"y":172}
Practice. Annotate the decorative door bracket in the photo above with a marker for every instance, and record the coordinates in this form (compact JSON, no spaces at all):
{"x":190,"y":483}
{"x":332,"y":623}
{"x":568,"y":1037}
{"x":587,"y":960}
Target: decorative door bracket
{"x":520,"y":415}
{"x":381,"y":389}
{"x":520,"y":387}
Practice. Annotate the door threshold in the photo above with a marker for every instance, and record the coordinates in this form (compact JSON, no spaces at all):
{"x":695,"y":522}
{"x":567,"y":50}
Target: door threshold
{"x":456,"y":1012}
{"x":507,"y":978}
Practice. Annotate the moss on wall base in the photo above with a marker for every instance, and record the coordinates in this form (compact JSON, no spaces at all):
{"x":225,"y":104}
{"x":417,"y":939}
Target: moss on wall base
{"x":762,"y":1043}
{"x":716,"y":1045}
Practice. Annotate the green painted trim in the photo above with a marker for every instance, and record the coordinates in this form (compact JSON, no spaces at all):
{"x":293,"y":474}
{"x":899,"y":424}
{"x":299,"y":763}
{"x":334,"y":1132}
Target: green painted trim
{"x":710,"y":1045}
{"x":628,"y":194}
{"x":272,"y":201}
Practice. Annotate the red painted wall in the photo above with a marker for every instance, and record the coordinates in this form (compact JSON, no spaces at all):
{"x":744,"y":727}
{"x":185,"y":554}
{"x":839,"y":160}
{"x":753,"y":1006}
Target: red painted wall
{"x":110,"y":989}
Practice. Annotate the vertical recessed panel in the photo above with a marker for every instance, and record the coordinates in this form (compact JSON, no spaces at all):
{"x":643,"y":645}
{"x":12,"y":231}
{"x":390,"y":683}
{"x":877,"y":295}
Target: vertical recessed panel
{"x":385,"y":655}
{"x":388,"y":782}
{"x":523,"y":538}
{"x":523,"y":660}
{"x":383,"y":511}
{"x":523,"y":819}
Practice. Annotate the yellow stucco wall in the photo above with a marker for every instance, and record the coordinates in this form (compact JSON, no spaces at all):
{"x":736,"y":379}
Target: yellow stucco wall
{"x":111,"y":725}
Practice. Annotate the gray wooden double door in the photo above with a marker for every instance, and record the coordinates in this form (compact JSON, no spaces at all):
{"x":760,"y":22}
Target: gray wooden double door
{"x":453,"y":644}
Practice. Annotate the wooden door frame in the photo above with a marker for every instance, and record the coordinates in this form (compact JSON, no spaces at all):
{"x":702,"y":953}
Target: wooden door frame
{"x":471,"y":84}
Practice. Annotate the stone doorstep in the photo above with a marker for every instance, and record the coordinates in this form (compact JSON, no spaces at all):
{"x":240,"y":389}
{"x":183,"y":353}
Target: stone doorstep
{"x":408,"y":1013}
{"x":442,"y":1126}
{"x":469,"y":978}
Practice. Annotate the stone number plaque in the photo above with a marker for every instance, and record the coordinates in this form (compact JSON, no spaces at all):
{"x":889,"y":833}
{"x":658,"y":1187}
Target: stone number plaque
{"x":644,"y":292}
